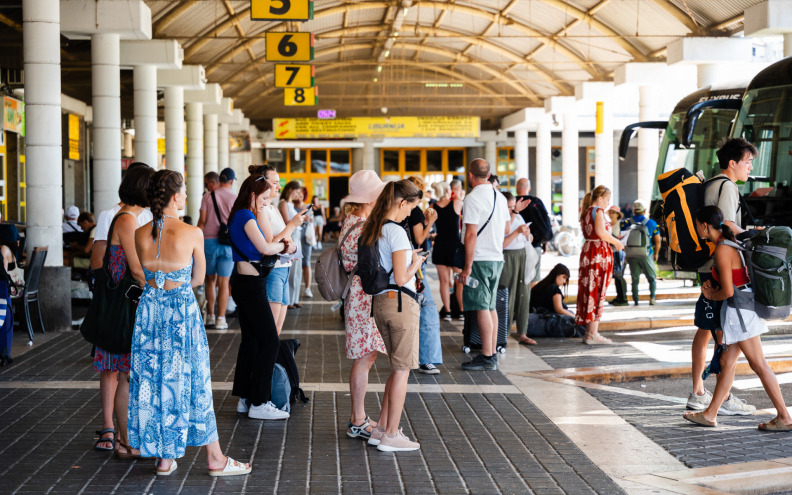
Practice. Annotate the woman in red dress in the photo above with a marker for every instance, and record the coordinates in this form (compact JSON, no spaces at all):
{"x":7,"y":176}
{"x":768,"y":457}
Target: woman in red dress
{"x":596,"y":263}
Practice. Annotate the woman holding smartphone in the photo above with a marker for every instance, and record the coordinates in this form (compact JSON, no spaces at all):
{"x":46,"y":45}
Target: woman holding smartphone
{"x":396,"y":309}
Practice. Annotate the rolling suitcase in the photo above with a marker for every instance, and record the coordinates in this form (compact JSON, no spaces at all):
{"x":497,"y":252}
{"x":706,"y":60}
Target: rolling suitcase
{"x":470,"y":332}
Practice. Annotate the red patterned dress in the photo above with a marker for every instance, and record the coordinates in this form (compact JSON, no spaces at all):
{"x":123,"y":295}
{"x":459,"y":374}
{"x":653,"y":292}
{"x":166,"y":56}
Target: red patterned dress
{"x":362,"y":336}
{"x":596,"y":267}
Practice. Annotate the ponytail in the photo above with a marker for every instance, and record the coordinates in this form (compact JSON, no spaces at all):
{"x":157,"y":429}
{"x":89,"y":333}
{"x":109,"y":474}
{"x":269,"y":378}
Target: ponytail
{"x":585,"y":205}
{"x":390,"y":196}
{"x":589,"y":199}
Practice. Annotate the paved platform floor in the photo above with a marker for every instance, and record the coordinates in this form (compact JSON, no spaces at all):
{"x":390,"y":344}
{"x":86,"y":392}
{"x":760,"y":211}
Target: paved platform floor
{"x":522,"y":429}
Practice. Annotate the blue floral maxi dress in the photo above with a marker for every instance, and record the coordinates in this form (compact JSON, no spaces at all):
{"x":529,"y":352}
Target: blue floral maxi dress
{"x":170,"y":389}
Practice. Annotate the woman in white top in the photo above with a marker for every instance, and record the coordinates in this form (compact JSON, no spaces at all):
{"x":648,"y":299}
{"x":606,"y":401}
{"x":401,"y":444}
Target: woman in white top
{"x":517,"y":238}
{"x":396,"y":309}
{"x":291,"y":192}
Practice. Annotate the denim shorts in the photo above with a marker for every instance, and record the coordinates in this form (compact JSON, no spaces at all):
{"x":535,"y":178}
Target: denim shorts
{"x":278,"y":285}
{"x":219,"y":260}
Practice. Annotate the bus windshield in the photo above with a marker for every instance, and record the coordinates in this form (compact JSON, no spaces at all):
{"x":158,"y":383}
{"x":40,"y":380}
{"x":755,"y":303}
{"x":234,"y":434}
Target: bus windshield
{"x":711,"y":128}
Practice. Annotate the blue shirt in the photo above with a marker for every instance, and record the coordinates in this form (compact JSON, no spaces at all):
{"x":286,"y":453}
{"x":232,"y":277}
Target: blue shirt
{"x":651,"y":227}
{"x":237,"y":230}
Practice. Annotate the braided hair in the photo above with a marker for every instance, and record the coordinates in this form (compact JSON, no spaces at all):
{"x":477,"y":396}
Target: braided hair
{"x":164,"y":184}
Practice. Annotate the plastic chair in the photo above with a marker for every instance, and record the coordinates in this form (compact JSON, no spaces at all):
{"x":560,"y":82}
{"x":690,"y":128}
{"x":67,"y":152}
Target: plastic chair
{"x":31,"y":291}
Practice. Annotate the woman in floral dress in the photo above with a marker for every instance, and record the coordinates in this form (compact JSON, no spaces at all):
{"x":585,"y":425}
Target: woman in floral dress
{"x":363,"y":340}
{"x":596,"y":263}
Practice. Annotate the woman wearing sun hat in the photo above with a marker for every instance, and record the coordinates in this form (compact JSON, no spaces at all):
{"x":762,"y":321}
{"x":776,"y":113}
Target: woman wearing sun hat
{"x":363,"y":340}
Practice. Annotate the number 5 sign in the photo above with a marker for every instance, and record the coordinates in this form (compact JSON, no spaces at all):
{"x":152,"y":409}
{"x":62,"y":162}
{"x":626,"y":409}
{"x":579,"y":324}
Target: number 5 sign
{"x":289,"y":47}
{"x":281,"y":10}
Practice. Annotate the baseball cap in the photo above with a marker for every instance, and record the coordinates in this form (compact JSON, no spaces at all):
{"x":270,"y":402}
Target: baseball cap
{"x":227,"y":174}
{"x":638,"y":206}
{"x":72,"y":212}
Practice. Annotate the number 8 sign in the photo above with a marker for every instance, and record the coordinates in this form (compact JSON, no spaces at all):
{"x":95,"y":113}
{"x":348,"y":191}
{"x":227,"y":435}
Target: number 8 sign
{"x":289,"y":47}
{"x":281,"y":10}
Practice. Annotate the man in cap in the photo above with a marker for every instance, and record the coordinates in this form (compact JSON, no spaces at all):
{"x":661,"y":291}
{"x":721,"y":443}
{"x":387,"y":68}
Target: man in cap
{"x":70,"y":217}
{"x":215,"y":208}
{"x":642,"y":248}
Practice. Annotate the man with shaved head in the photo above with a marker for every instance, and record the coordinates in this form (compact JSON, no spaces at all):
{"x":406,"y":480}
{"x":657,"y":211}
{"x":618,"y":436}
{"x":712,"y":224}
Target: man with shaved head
{"x":484,"y":215}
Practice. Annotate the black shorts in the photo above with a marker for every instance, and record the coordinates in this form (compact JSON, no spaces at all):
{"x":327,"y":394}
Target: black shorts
{"x":443,"y":253}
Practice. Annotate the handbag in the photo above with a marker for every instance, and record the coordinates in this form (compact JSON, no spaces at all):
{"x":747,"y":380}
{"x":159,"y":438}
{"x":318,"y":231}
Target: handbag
{"x":531,"y":262}
{"x":110,"y":320}
{"x":264,"y":266}
{"x":459,"y":255}
{"x":223,"y":236}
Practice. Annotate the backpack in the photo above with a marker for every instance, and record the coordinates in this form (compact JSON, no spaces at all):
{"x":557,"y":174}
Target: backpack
{"x":768,"y":256}
{"x":683,"y":195}
{"x":541,"y":228}
{"x":288,"y":347}
{"x":329,"y":274}
{"x":637,"y":245}
{"x":373,"y":276}
{"x":281,"y":388}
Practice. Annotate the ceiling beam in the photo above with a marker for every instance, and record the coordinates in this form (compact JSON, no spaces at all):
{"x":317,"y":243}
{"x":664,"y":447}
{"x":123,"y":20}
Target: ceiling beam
{"x":166,"y":20}
{"x":686,"y":18}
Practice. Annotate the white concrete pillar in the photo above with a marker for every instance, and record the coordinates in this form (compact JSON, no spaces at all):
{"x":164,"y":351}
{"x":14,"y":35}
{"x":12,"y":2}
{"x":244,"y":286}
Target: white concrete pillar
{"x":491,"y":152}
{"x":106,"y":101}
{"x":521,"y":154}
{"x":543,"y":188}
{"x":648,"y":146}
{"x":570,"y":169}
{"x":174,"y":129}
{"x":43,"y":152}
{"x":210,"y":143}
{"x":222,"y":147}
{"x":369,"y":156}
{"x":145,"y":96}
{"x":603,"y":145}
{"x":195,"y":159}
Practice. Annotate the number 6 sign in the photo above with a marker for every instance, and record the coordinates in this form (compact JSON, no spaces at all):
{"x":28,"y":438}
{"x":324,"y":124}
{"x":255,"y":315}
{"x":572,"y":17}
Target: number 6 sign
{"x":281,"y":10}
{"x":289,"y":47}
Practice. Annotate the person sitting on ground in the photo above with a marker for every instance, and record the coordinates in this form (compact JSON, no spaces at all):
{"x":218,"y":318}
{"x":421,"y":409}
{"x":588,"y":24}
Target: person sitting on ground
{"x":740,"y":335}
{"x":550,"y":316}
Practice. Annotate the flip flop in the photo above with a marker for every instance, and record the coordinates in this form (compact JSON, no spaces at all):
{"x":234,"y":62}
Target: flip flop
{"x":128,"y":454}
{"x":166,"y":472}
{"x":699,"y":419}
{"x":232,"y":468}
{"x":774,"y":425}
{"x":112,"y":440}
{"x":528,"y":341}
{"x":598,"y":339}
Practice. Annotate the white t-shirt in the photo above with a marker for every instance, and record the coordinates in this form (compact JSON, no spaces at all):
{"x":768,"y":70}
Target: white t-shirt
{"x":394,"y":238}
{"x":475,"y":211}
{"x":106,"y":218}
{"x":277,"y":225}
{"x":520,"y":241}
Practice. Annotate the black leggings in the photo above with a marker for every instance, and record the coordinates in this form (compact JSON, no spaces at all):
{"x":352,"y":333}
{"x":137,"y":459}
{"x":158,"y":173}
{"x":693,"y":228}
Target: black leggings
{"x":260,"y":344}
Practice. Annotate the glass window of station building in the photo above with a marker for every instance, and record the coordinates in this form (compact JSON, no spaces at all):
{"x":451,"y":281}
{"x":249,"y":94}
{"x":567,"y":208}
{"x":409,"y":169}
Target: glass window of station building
{"x":432,"y":164}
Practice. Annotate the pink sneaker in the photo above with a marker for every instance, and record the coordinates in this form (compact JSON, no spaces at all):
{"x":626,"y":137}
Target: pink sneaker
{"x":376,"y":436}
{"x":397,"y":442}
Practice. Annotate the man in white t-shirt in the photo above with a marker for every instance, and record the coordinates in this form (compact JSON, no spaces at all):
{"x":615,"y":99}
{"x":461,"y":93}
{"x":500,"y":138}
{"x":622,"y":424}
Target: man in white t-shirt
{"x":485,"y":214}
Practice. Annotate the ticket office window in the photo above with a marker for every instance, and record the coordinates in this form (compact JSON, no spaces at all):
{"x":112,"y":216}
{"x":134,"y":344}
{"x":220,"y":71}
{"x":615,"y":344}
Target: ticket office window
{"x":433,"y":165}
{"x":313,"y":168}
{"x":505,"y":169}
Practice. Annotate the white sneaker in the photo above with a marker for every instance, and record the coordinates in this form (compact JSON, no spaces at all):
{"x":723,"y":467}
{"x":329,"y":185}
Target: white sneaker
{"x":267,"y":411}
{"x":397,"y":442}
{"x":699,"y":402}
{"x":221,"y":323}
{"x":736,"y":407}
{"x":210,"y":321}
{"x":308,"y":293}
{"x":242,"y":406}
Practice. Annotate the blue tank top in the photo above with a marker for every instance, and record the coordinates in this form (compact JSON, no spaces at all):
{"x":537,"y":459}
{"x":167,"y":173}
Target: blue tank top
{"x":237,"y":230}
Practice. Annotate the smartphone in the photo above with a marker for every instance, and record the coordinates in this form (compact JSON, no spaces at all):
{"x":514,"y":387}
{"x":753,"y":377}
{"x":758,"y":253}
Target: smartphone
{"x":423,"y":253}
{"x":306,"y":210}
{"x":133,"y":293}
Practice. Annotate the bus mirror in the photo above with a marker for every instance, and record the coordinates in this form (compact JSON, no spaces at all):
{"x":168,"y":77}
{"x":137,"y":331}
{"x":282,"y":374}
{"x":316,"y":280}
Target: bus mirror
{"x":629,"y":132}
{"x":697,"y":110}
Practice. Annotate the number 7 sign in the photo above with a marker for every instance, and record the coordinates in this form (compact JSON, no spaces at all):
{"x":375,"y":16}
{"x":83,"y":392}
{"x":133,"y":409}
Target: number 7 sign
{"x":289,"y":47}
{"x":294,"y":76}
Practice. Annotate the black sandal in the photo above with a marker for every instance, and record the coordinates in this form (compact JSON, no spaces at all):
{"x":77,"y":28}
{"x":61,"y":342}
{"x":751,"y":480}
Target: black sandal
{"x":103,"y":440}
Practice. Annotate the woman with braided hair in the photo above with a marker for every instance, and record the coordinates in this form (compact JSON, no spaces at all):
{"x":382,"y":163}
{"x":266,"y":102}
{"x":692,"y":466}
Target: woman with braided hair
{"x":170,"y":394}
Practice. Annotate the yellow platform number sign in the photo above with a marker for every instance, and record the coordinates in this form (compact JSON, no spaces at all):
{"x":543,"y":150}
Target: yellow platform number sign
{"x":300,"y":97}
{"x":281,"y":10}
{"x":294,"y":76}
{"x":289,"y":47}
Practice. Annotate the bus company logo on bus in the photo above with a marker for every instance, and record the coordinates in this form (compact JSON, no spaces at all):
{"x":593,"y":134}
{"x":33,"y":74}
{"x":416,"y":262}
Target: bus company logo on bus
{"x":735,"y":96}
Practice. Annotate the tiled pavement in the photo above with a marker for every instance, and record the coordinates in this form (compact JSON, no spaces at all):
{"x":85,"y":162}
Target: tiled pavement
{"x":472,"y":442}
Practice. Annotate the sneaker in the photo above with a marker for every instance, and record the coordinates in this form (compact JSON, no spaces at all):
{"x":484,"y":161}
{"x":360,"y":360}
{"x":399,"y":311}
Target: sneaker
{"x":242,"y":406}
{"x":376,"y":436}
{"x":636,"y":303}
{"x":210,"y":321}
{"x":445,"y":315}
{"x":319,"y":246}
{"x":653,"y":302}
{"x":480,"y":363}
{"x":397,"y":442}
{"x":699,"y":402}
{"x":461,"y":317}
{"x":428,"y":369}
{"x":308,"y":293}
{"x":267,"y":411}
{"x":359,"y":431}
{"x":736,"y":407}
{"x":221,"y":323}
{"x":618,"y":302}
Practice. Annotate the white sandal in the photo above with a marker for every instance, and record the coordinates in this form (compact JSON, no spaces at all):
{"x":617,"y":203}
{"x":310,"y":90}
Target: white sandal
{"x":232,"y":468}
{"x":166,"y":472}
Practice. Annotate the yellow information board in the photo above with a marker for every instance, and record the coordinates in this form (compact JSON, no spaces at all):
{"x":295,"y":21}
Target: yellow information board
{"x":354,"y":127}
{"x":281,"y":10}
{"x":74,"y":137}
{"x":294,"y":76}
{"x":289,"y":47}
{"x":300,"y":97}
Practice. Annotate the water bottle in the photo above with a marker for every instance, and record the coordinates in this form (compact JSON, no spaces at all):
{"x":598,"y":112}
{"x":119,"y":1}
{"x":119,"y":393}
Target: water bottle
{"x":470,"y":282}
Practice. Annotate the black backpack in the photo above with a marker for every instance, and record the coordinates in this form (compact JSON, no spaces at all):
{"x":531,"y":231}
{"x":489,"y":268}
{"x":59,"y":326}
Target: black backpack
{"x":536,"y":213}
{"x":286,"y":359}
{"x":373,"y":278}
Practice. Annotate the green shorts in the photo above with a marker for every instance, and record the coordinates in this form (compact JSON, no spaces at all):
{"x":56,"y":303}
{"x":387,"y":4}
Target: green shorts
{"x":483,"y":297}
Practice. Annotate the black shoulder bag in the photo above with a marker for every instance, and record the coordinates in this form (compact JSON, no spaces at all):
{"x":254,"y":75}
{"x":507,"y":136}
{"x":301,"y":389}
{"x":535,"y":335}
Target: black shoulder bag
{"x":223,"y":237}
{"x":110,"y":320}
{"x":264,"y":266}
{"x":459,"y":255}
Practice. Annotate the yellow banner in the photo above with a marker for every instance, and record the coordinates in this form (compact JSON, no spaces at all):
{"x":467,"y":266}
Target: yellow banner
{"x":354,"y":127}
{"x":74,"y":137}
{"x":600,"y":117}
{"x":161,"y":146}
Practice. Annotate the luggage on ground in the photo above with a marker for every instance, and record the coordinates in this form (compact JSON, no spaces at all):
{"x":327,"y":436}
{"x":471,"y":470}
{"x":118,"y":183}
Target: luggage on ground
{"x":546,"y":324}
{"x":470,"y":332}
{"x":281,"y":388}
{"x":288,"y":347}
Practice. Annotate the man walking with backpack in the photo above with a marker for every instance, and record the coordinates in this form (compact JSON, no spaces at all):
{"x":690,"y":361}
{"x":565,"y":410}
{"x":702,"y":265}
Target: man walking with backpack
{"x":641,"y":249}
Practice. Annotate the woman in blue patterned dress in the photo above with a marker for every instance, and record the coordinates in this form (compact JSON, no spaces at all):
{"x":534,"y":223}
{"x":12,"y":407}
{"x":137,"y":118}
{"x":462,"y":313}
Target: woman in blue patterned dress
{"x":170,"y":394}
